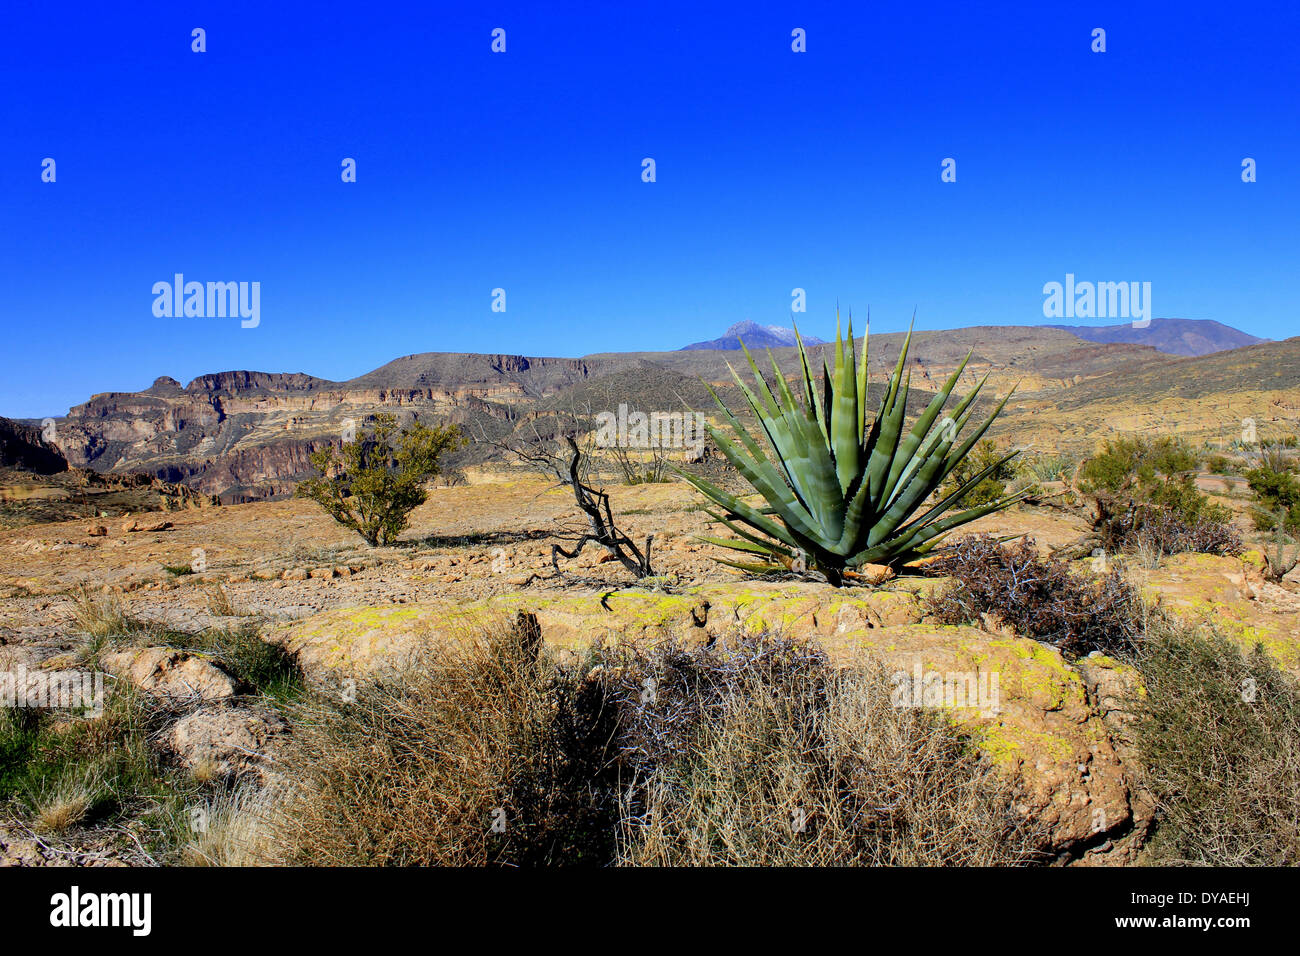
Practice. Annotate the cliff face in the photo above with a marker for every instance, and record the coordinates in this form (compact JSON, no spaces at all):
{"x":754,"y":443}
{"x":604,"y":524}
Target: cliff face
{"x":22,"y":446}
{"x":245,"y":435}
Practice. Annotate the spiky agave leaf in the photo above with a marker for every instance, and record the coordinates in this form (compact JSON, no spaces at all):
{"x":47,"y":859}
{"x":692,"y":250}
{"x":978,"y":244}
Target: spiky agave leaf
{"x":842,"y":487}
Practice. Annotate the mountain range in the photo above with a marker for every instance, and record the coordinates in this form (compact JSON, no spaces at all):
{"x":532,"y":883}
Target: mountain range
{"x":1173,"y":336}
{"x":245,"y":435}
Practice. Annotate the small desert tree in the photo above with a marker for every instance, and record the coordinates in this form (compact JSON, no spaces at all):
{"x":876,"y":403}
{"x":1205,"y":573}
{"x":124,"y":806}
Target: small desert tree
{"x":372,"y":484}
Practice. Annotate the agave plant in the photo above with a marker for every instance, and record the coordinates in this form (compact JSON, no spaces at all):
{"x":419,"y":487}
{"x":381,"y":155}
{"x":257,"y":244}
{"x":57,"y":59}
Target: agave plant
{"x":843,"y":488}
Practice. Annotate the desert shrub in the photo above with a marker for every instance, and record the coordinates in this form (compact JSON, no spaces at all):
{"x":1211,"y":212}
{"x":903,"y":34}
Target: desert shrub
{"x":1161,"y":531}
{"x":482,"y":753}
{"x":1221,"y":465}
{"x":1158,"y":472}
{"x":372,"y":485}
{"x":1219,"y":733}
{"x":765,"y":754}
{"x":1124,"y":461}
{"x":1277,"y":492}
{"x":985,"y":456}
{"x":1146,"y":499}
{"x":665,"y":756}
{"x":1038,"y":597}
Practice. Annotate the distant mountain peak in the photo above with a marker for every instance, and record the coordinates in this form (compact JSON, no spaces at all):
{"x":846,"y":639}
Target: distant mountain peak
{"x":1194,"y":337}
{"x":755,"y":336}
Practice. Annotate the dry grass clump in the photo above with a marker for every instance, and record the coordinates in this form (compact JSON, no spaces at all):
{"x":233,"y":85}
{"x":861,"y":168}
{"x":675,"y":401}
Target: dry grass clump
{"x":228,"y":829}
{"x":100,"y":614}
{"x":482,"y":753}
{"x":1219,"y":731}
{"x":490,"y":752}
{"x":764,"y":754}
{"x":217,"y":600}
{"x":1038,"y":597}
{"x":62,"y":808}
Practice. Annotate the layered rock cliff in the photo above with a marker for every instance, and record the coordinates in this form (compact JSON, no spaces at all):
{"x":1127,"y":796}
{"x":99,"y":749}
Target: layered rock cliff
{"x":245,"y":435}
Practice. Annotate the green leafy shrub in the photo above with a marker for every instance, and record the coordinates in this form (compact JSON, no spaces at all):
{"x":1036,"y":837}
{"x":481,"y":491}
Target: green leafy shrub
{"x":1128,"y":462}
{"x":1277,"y":492}
{"x":1145,"y":495}
{"x":372,"y":485}
{"x":990,"y":461}
{"x":1221,"y":465}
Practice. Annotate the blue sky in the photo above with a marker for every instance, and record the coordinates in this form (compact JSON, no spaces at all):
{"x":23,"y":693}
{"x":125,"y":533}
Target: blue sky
{"x":522,"y":171}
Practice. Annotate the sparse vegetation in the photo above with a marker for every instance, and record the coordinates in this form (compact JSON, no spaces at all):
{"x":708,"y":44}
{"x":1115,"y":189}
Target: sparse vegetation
{"x":263,"y":667}
{"x":1219,"y":732}
{"x":1038,"y":597}
{"x":481,"y":753}
{"x":762,"y":753}
{"x":493,"y":753}
{"x":1050,"y":467}
{"x":986,"y":459}
{"x":601,"y":530}
{"x":1156,"y":532}
{"x":1279,"y":560}
{"x":62,"y":771}
{"x":1276,"y":487}
{"x":1146,"y":500}
{"x":218,"y":601}
{"x":100,"y":613}
{"x":372,"y":484}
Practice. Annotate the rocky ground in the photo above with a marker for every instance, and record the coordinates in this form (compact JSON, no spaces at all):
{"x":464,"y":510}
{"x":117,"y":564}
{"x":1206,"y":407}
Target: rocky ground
{"x":474,"y":552}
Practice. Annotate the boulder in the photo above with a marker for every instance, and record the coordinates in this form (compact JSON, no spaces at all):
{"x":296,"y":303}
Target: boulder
{"x":224,"y":740}
{"x":135,"y":525}
{"x":167,"y":672}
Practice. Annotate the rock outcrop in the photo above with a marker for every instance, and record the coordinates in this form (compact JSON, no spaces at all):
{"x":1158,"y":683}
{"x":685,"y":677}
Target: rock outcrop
{"x":1056,"y":727}
{"x":165,"y":672}
{"x":224,"y":740}
{"x":24,"y":447}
